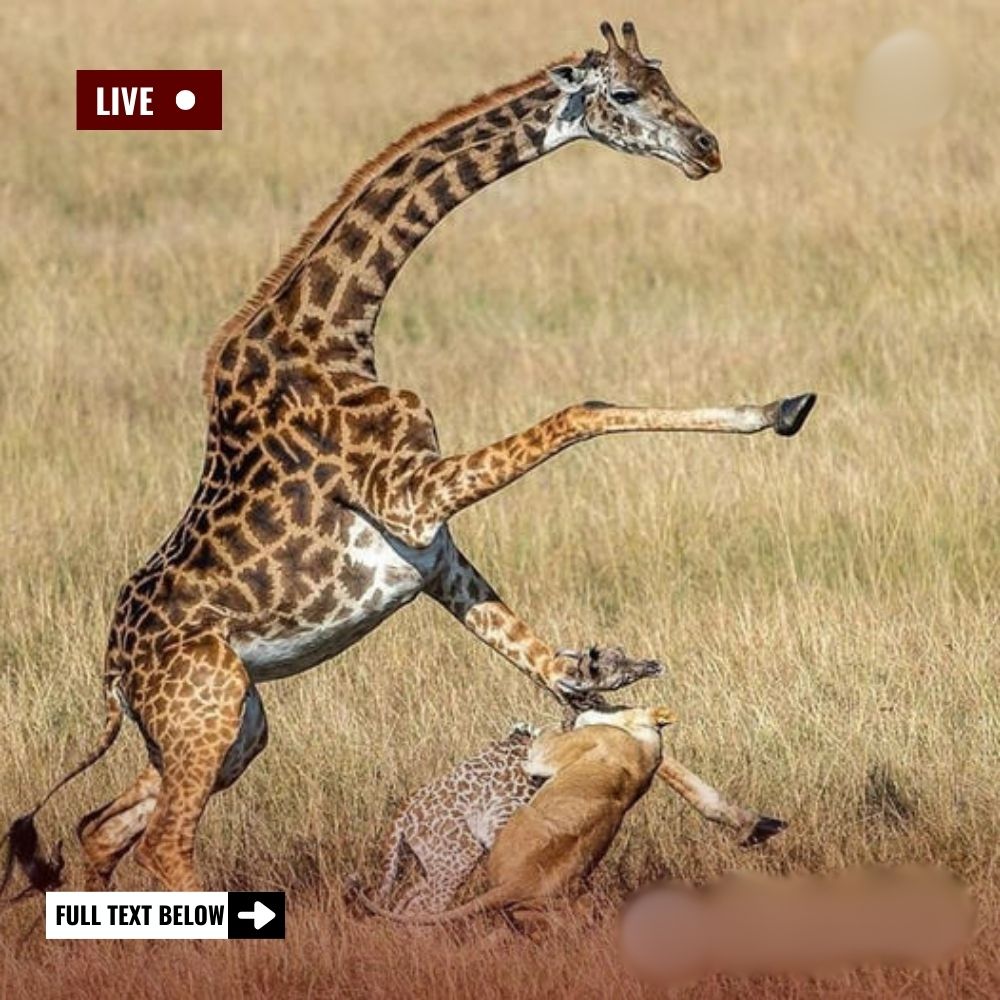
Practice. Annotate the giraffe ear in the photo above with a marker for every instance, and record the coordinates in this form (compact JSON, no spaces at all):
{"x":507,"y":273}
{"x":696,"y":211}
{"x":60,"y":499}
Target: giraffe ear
{"x":567,"y":78}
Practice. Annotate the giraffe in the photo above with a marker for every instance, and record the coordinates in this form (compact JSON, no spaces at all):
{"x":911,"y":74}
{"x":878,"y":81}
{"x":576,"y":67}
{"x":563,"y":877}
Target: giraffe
{"x":324,"y":499}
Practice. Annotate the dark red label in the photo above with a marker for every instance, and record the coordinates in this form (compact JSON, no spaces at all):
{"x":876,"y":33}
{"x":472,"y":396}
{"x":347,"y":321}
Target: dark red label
{"x":113,"y":99}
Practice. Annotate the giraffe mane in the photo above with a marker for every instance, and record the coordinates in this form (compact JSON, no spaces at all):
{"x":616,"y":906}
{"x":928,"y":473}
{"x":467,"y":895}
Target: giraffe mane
{"x":291,"y":261}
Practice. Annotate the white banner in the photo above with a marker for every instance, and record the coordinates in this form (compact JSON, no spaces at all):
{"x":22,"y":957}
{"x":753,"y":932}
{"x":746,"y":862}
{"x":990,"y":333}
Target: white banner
{"x":147,"y":915}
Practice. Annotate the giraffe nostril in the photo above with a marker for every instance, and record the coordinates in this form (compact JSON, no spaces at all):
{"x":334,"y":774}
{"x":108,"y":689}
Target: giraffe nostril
{"x":705,"y":142}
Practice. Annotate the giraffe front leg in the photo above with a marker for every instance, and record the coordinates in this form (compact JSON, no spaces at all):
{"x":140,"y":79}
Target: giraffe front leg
{"x":576,"y":679}
{"x":438,"y":488}
{"x":465,"y":593}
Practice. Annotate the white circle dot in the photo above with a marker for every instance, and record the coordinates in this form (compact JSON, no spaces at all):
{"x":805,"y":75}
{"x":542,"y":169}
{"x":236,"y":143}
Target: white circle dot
{"x":184,"y":100}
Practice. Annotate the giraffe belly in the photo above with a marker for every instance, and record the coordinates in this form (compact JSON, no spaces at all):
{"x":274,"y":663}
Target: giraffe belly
{"x":395,"y":575}
{"x":270,"y":658}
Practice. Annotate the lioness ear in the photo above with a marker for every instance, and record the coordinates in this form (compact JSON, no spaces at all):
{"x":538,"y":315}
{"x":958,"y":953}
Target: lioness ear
{"x":567,"y":78}
{"x":663,"y":716}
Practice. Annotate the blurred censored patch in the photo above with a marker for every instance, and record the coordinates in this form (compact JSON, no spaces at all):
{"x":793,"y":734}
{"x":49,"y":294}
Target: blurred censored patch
{"x":806,"y":925}
{"x":905,"y":84}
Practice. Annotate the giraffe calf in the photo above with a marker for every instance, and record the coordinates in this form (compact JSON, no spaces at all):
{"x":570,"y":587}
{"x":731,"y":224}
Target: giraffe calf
{"x":449,"y":824}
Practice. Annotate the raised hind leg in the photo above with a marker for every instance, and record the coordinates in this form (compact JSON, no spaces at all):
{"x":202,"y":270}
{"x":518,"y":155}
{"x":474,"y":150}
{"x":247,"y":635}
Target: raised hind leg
{"x":107,"y":834}
{"x":193,"y":708}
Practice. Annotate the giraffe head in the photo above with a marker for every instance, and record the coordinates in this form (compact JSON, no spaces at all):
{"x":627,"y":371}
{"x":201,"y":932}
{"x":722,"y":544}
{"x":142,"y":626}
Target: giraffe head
{"x":622,"y":99}
{"x":601,"y":669}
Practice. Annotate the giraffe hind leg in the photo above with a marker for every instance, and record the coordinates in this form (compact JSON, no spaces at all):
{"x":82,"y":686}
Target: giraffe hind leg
{"x":395,"y":850}
{"x":197,"y":736}
{"x":249,"y":742}
{"x":107,"y":834}
{"x":446,"y":869}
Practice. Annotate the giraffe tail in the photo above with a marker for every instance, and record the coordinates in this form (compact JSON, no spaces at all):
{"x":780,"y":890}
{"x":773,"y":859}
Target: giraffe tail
{"x":45,"y":873}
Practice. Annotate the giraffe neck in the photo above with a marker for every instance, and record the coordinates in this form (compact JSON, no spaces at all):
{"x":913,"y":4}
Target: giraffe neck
{"x":324,"y":309}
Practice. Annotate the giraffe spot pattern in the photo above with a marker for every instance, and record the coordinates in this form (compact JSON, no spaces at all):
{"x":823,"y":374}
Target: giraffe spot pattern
{"x":449,"y":824}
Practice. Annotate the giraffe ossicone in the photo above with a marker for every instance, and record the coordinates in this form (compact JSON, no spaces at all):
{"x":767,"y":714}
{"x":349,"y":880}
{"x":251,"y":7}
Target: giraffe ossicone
{"x":324,"y":500}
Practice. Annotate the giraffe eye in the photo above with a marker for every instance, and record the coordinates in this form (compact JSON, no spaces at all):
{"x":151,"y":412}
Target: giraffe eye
{"x":624,"y":96}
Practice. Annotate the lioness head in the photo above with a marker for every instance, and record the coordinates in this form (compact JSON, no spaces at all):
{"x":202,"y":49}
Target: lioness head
{"x":642,"y":723}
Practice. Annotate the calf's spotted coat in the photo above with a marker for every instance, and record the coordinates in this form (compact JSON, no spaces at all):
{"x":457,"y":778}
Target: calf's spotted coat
{"x":449,"y":824}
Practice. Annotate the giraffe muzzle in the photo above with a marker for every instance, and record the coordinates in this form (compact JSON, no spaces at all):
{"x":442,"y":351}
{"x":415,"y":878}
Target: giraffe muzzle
{"x":631,"y":671}
{"x":702,"y":156}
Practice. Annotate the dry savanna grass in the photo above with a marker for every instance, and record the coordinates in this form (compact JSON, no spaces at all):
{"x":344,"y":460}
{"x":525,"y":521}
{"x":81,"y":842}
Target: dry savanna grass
{"x":827,"y":605}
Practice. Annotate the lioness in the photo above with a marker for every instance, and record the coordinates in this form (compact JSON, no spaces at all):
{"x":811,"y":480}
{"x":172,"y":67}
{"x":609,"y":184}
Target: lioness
{"x":595,"y":774}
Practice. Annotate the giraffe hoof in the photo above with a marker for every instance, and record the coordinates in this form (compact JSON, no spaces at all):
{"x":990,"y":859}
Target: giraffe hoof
{"x":792,"y":413}
{"x":764,"y":829}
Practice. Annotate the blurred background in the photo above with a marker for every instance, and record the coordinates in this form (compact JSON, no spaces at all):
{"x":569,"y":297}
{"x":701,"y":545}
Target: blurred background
{"x":827,"y":606}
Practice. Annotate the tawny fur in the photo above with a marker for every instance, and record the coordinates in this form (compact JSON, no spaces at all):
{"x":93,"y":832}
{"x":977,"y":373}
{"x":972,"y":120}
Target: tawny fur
{"x":595,"y":774}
